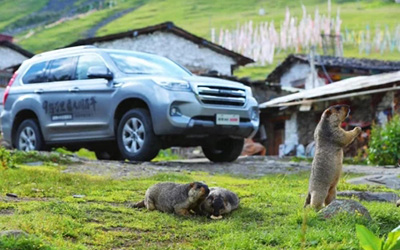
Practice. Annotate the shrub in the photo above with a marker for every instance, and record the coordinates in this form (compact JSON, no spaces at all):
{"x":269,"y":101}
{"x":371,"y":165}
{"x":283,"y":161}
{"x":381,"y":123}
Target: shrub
{"x":23,"y":243}
{"x":384,"y":145}
{"x":6,"y":159}
{"x":369,"y":241}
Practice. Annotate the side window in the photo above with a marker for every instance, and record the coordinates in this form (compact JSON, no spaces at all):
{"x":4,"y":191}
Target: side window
{"x":62,"y":69}
{"x":84,"y":63}
{"x":35,"y":74}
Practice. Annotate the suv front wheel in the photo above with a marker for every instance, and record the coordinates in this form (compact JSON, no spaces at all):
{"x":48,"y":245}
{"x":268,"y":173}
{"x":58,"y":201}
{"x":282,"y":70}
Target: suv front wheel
{"x":135,"y":136}
{"x":29,"y":137}
{"x":223,"y":150}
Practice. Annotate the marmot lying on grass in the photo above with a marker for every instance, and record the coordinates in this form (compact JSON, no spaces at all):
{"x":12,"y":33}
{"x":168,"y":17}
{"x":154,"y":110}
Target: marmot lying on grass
{"x":174,"y":198}
{"x":326,"y":168}
{"x":220,"y":201}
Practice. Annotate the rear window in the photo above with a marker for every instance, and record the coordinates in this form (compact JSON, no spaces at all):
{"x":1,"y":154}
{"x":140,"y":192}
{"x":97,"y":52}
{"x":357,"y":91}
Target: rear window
{"x":35,"y":74}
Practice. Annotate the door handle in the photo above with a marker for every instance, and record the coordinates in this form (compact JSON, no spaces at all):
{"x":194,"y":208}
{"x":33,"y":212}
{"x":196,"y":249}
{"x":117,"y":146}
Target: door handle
{"x":75,"y":89}
{"x":38,"y":91}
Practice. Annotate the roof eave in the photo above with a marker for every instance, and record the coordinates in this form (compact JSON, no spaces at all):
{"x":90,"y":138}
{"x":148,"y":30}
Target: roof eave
{"x":169,"y":27}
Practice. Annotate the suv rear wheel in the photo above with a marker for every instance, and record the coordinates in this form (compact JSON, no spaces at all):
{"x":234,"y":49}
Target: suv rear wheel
{"x":29,"y":137}
{"x":223,"y":150}
{"x":135,"y":136}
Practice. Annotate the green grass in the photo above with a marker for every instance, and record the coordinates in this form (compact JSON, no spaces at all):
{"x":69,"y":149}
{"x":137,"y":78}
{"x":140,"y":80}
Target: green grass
{"x":270,"y":215}
{"x":64,"y":33}
{"x":200,"y":16}
{"x":12,"y":10}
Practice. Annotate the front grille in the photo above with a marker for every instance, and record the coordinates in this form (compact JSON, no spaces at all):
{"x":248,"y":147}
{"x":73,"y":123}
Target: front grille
{"x":221,"y":95}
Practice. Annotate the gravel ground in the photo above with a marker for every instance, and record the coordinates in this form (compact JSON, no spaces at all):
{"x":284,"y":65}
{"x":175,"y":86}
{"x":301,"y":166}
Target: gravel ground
{"x":254,"y":166}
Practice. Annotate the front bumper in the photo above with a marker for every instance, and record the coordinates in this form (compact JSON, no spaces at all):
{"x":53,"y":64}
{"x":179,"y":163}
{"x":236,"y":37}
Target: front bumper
{"x":199,"y":119}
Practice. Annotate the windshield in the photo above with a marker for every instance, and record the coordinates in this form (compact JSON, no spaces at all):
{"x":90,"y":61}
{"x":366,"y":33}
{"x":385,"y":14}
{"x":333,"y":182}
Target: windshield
{"x":135,"y":63}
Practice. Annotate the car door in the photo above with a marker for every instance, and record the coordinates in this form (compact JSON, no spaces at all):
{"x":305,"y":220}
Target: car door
{"x":90,"y":101}
{"x":54,"y":96}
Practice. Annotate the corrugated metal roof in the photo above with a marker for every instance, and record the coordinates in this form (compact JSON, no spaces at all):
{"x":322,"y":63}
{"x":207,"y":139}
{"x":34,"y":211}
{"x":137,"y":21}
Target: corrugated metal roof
{"x":333,"y":61}
{"x":336,"y":88}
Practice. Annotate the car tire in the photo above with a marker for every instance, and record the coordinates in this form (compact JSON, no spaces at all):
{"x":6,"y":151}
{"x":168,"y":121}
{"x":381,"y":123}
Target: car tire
{"x":135,"y":136}
{"x":29,"y":136}
{"x":223,"y":150}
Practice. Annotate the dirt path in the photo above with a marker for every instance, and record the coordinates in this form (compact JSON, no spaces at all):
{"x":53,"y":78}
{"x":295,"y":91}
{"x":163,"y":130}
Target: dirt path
{"x":247,"y":166}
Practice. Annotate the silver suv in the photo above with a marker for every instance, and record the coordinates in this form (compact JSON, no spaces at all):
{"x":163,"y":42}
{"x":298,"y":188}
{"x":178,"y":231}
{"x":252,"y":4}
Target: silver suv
{"x":124,"y":105}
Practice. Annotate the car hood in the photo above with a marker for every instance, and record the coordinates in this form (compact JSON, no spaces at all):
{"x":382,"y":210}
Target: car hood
{"x":201,"y":80}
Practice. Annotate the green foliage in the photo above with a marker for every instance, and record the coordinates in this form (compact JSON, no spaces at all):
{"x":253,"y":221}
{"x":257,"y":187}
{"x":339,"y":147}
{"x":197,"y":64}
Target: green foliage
{"x":301,"y":159}
{"x":83,"y":153}
{"x":23,"y":243}
{"x":51,"y":158}
{"x":166,"y":155}
{"x":6,"y":159}
{"x":384,"y":145}
{"x":369,"y":241}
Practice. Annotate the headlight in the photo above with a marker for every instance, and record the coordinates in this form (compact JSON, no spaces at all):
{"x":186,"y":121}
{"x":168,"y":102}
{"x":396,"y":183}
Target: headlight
{"x":172,"y":84}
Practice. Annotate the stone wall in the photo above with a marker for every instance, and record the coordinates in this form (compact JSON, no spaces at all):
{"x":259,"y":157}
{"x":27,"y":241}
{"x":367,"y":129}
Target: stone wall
{"x":306,"y":124}
{"x":9,"y":57}
{"x":194,"y":57}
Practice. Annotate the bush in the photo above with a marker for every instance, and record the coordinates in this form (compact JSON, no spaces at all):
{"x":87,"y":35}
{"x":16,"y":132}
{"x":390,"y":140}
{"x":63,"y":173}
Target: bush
{"x":6,"y":159}
{"x":384,"y":145}
{"x":23,"y":243}
{"x":369,"y":241}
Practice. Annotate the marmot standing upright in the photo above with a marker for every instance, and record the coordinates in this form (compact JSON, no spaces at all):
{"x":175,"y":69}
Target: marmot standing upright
{"x":176,"y":198}
{"x":326,"y":168}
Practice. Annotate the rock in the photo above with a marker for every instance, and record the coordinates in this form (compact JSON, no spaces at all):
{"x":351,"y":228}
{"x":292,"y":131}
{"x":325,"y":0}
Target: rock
{"x":35,"y":163}
{"x":391,"y":181}
{"x":13,"y":233}
{"x":12,"y":195}
{"x":349,"y":206}
{"x":78,"y":196}
{"x":370,"y":196}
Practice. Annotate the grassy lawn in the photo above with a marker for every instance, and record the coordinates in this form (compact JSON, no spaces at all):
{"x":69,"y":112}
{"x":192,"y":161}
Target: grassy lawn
{"x":270,"y":215}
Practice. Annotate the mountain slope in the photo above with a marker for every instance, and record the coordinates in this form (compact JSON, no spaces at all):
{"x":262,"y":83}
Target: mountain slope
{"x":196,"y":16}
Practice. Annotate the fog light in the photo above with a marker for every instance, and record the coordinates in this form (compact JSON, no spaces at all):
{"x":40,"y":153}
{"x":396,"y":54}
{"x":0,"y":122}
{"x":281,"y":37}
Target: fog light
{"x":175,"y":111}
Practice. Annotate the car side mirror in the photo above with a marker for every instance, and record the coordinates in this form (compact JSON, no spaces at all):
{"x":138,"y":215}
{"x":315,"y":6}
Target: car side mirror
{"x":100,"y":72}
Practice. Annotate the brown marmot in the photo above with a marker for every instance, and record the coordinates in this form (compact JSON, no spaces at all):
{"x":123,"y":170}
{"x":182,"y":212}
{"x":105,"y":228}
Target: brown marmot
{"x":176,"y":198}
{"x":220,"y":201}
{"x":326,"y":168}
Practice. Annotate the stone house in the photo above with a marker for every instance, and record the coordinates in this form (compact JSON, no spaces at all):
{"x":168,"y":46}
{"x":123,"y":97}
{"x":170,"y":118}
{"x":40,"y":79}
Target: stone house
{"x":296,"y":73}
{"x":291,"y":120}
{"x":11,"y":55}
{"x":195,"y":53}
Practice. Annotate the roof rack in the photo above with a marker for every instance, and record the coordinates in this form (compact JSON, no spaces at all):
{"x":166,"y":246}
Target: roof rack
{"x":71,"y":49}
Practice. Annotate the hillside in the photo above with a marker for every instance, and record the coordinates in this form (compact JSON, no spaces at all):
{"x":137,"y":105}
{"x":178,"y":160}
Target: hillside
{"x":47,"y":24}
